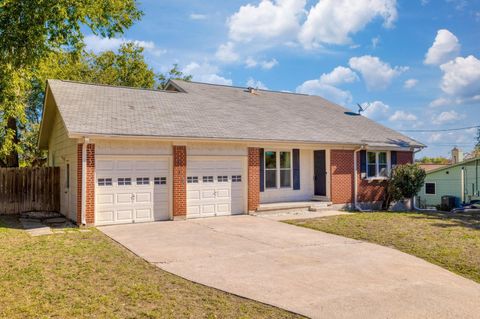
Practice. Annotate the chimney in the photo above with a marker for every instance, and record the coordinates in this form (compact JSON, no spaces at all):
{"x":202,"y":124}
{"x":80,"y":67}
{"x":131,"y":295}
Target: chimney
{"x":457,"y":155}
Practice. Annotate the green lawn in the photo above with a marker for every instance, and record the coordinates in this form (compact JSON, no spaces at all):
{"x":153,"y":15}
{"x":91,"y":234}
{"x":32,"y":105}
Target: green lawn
{"x":450,"y":241}
{"x":85,"y":274}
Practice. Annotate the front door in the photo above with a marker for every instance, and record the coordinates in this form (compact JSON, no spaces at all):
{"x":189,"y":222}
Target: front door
{"x":320,"y":172}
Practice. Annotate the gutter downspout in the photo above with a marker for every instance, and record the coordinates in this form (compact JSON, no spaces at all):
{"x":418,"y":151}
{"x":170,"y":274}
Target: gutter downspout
{"x":355,"y":181}
{"x":84,"y":181}
{"x":463,"y":185}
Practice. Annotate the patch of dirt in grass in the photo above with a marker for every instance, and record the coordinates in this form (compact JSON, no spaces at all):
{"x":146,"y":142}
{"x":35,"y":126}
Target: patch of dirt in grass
{"x":451,"y":241}
{"x":85,"y":274}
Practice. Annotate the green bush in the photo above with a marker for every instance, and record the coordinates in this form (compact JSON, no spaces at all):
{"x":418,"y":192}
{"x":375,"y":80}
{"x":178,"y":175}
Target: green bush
{"x":405,"y":182}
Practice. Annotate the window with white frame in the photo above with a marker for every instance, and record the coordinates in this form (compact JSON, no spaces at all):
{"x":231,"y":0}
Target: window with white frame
{"x":192,"y":179}
{"x":278,"y":169}
{"x":236,"y":178}
{"x":160,"y":181}
{"x":104,"y":182}
{"x":143,"y":180}
{"x":377,"y":164}
{"x":430,"y":188}
{"x":124,"y":181}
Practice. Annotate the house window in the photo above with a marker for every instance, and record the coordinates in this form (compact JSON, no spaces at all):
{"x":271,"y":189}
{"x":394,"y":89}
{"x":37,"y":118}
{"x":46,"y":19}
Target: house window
{"x":143,"y":181}
{"x":377,"y":164}
{"x":278,"y":169}
{"x":430,"y":188}
{"x":236,"y":178}
{"x":160,"y":181}
{"x":270,"y":169}
{"x":124,"y":181}
{"x":104,"y":182}
{"x":207,"y":179}
{"x":285,"y":169}
{"x":222,"y":179}
{"x":192,"y":179}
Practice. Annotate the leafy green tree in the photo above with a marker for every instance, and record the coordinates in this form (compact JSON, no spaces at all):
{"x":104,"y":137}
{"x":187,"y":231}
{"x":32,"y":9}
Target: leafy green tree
{"x":433,"y":160}
{"x":173,"y":74}
{"x":404,"y":182}
{"x":29,"y":31}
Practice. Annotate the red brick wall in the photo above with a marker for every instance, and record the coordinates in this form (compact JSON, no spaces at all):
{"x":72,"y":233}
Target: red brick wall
{"x":179,"y":180}
{"x":404,"y":158}
{"x":79,"y":183}
{"x":90,"y":180}
{"x":341,"y":176}
{"x":253,"y":178}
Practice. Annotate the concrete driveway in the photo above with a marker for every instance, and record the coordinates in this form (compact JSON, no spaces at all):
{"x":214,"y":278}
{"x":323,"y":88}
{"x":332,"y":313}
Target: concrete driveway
{"x":305,"y":271}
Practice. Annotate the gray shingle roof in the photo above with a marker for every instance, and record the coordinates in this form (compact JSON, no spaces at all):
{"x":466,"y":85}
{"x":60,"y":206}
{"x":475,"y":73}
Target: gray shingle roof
{"x":214,"y":111}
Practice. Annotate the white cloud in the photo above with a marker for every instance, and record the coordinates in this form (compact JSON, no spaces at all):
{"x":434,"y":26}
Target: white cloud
{"x":264,"y":64}
{"x":376,"y":73}
{"x":400,"y":116}
{"x":375,"y":42}
{"x":410,"y":83}
{"x":226,"y":53}
{"x":441,"y":101}
{"x":376,"y":110}
{"x":197,"y":16}
{"x":444,"y":48}
{"x":339,"y":75}
{"x":256,"y":84}
{"x":329,"y":92}
{"x":269,"y":20}
{"x":333,"y":21}
{"x":99,"y":44}
{"x":324,"y":86}
{"x":461,"y":78}
{"x":447,"y":117}
{"x":205,"y":72}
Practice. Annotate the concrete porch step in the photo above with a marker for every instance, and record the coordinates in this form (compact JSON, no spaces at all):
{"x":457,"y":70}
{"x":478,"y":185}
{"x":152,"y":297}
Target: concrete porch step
{"x":308,"y":205}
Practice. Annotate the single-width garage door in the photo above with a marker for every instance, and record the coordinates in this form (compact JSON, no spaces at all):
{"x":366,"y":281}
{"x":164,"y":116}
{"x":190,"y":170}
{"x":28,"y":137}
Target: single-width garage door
{"x":131,"y":190}
{"x":215,"y":187}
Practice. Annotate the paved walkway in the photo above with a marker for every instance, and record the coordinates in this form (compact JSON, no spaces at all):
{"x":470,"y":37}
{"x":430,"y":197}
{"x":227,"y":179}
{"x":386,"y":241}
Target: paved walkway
{"x":309,"y":272}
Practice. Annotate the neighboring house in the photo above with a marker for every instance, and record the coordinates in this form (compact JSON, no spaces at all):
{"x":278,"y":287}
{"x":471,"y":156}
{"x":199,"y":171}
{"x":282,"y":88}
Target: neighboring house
{"x":198,"y":150}
{"x":460,"y":180}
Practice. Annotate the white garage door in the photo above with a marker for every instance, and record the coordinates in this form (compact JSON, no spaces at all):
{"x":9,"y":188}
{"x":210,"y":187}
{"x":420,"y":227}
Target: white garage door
{"x":131,"y":190}
{"x":215,"y":187}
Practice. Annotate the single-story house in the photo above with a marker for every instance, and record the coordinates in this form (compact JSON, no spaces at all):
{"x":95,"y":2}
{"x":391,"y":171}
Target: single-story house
{"x":197,"y":150}
{"x":460,"y":180}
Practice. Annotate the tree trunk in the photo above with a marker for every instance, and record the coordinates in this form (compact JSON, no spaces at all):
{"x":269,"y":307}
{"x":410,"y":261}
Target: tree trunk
{"x":12,"y":158}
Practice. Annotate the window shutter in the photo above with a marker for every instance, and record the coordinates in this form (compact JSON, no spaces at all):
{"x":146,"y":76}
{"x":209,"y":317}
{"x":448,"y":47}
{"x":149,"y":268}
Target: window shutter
{"x":363,"y":164}
{"x":262,"y":170}
{"x":296,"y":169}
{"x":393,"y":158}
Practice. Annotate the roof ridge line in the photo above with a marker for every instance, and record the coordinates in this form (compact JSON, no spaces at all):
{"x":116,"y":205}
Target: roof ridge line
{"x":113,"y":86}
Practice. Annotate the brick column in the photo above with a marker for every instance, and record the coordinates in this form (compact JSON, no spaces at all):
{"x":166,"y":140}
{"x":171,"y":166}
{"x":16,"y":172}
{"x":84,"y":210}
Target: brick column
{"x":179,"y":182}
{"x":341,"y":176}
{"x":90,"y":180}
{"x":90,"y":184}
{"x":79,"y":183}
{"x":253,"y":178}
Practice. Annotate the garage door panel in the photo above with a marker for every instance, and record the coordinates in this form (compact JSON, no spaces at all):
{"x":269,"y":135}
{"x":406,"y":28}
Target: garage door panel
{"x":105,"y":199}
{"x":124,"y":165}
{"x":105,"y":165}
{"x":124,"y":214}
{"x":208,"y":194}
{"x":124,"y":198}
{"x":105,"y":216}
{"x":143,"y":197}
{"x":145,"y":213}
{"x":223,"y":193}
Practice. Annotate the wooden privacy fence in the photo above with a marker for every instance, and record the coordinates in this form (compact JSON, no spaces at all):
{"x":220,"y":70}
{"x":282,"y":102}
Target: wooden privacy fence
{"x":29,"y":189}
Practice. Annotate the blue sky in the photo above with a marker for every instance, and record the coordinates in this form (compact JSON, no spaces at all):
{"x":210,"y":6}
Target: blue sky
{"x":416,"y":63}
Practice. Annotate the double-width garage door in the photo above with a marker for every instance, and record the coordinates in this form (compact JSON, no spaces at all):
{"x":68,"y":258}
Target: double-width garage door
{"x":131,"y":190}
{"x":215,"y":187}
